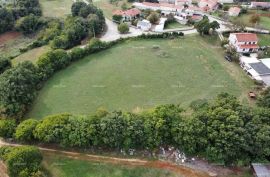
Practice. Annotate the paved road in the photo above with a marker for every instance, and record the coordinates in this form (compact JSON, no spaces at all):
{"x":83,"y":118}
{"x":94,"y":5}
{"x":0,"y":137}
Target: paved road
{"x":113,"y":34}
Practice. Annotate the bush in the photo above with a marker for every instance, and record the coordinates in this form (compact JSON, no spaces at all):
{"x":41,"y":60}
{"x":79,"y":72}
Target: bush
{"x":7,"y":128}
{"x":153,"y":17}
{"x":6,"y":20}
{"x":24,"y":131}
{"x":5,"y":64}
{"x":23,"y":161}
{"x":117,"y":18}
{"x":123,"y":28}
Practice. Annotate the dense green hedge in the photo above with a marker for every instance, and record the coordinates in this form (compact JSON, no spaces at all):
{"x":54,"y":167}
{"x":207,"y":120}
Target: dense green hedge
{"x":221,"y":130}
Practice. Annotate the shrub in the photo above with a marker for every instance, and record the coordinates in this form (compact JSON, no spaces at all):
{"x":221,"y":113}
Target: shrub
{"x":123,"y":28}
{"x":24,"y":131}
{"x":76,"y":53}
{"x":117,"y":18}
{"x":6,"y":20}
{"x":7,"y":128}
{"x":5,"y":64}
{"x":29,"y":24}
{"x":23,"y":161}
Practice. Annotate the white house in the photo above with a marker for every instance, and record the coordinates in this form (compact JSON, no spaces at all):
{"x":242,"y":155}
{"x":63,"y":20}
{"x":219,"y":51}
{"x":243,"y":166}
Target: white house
{"x":145,"y":25}
{"x":244,"y":42}
{"x":225,"y":1}
{"x":256,"y":69}
{"x":234,"y":11}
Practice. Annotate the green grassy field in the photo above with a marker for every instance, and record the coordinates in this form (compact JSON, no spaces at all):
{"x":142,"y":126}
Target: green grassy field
{"x":264,"y":23}
{"x":143,"y":74}
{"x":264,"y":39}
{"x":31,"y":55}
{"x":60,"y":166}
{"x":56,"y":8}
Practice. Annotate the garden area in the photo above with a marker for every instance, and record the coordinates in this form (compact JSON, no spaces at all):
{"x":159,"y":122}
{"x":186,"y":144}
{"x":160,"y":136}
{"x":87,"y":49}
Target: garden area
{"x":167,"y":71}
{"x":174,"y":25}
{"x":245,"y":19}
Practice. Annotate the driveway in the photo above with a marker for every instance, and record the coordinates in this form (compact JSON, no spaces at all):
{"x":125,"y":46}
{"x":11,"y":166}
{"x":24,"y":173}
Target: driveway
{"x":113,"y":34}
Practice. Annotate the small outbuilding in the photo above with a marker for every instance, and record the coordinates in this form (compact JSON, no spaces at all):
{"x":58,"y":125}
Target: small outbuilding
{"x":234,"y":11}
{"x":144,"y":25}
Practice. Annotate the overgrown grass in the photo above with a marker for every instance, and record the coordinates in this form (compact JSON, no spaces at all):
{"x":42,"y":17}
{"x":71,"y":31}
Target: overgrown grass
{"x":56,"y":8}
{"x":143,"y":74}
{"x":31,"y":55}
{"x":173,"y":25}
{"x":264,"y":39}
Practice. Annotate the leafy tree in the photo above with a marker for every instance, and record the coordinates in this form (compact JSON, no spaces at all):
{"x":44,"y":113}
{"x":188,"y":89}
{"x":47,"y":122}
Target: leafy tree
{"x":24,"y":131}
{"x":153,"y":17}
{"x":76,"y":7}
{"x":6,"y":20}
{"x":52,"y":30}
{"x":27,"y":7}
{"x":51,"y":128}
{"x":18,"y":89}
{"x":4,"y":64}
{"x":29,"y":24}
{"x":123,"y":28}
{"x":95,"y":25}
{"x":232,"y":53}
{"x":204,"y":26}
{"x":7,"y":128}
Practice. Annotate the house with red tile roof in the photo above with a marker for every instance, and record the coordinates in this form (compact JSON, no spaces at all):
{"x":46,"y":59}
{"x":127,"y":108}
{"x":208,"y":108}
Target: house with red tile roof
{"x":208,"y":5}
{"x":234,"y":11}
{"x":244,"y":42}
{"x":128,"y":15}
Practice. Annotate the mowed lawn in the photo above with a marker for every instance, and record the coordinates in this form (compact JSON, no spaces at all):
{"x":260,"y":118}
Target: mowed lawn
{"x":142,"y":74}
{"x":60,"y":166}
{"x":56,"y":8}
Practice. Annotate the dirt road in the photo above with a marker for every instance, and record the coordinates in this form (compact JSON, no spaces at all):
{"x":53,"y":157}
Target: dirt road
{"x":179,"y":169}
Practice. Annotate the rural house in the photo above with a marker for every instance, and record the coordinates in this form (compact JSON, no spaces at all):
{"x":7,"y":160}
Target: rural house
{"x":234,"y":11}
{"x":144,"y":25}
{"x":208,"y":5}
{"x":244,"y":42}
{"x":128,"y":15}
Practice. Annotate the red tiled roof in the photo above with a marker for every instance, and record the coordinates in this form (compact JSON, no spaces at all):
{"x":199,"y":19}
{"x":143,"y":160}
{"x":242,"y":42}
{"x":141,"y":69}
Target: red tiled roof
{"x":249,"y":46}
{"x":235,"y":10}
{"x":246,"y":37}
{"x":210,"y":3}
{"x":159,"y":5}
{"x":151,"y":4}
{"x":130,"y":12}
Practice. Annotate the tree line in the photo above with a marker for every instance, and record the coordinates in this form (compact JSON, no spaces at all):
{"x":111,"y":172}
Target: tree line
{"x":222,"y":130}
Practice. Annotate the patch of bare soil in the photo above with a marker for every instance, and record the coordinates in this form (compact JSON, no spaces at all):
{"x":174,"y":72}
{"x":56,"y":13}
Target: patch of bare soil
{"x":8,"y":36}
